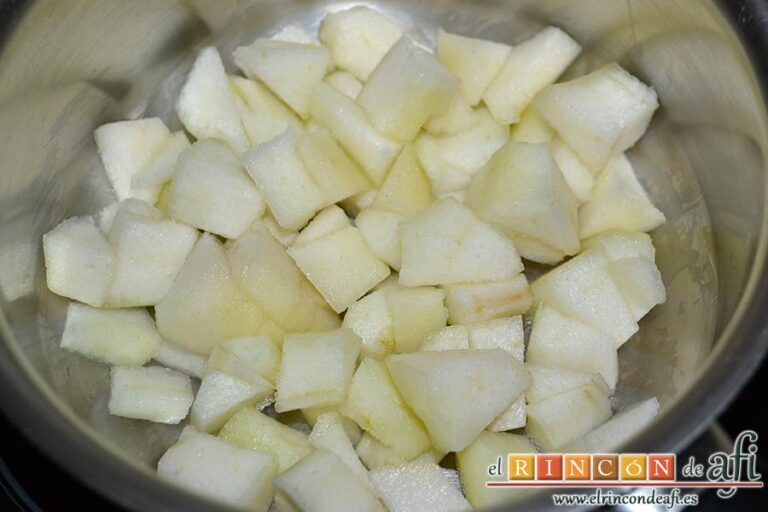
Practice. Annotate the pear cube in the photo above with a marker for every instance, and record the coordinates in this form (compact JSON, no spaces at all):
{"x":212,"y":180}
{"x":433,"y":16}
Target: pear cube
{"x":622,"y":427}
{"x":457,"y":118}
{"x":346,"y":83}
{"x":154,"y":394}
{"x":359,"y":38}
{"x":118,"y":337}
{"x":221,"y":395}
{"x":599,"y":115}
{"x":79,"y":262}
{"x":251,"y":358}
{"x":329,"y":434}
{"x":312,"y":415}
{"x":547,"y":381}
{"x":457,"y":393}
{"x":207,"y":105}
{"x":316,"y":369}
{"x":532,"y":128}
{"x":180,"y":359}
{"x":577,"y":175}
{"x":290,"y":70}
{"x":263,"y":115}
{"x":328,"y":220}
{"x":454,"y":337}
{"x":640,"y":284}
{"x":407,"y":88}
{"x":619,"y":244}
{"x":407,"y":189}
{"x":371,"y":319}
{"x":375,"y":454}
{"x":468,"y":249}
{"x":415,"y":313}
{"x":381,"y":231}
{"x":293,"y":34}
{"x":468,"y":303}
{"x":158,"y":172}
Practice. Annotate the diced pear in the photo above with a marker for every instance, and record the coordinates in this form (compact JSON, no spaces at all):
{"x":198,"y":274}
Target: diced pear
{"x":469,"y":303}
{"x":623,"y":244}
{"x":474,"y":61}
{"x":312,"y":414}
{"x":583,"y":289}
{"x":530,"y":67}
{"x":576,"y":173}
{"x":211,"y":190}
{"x":323,"y":483}
{"x":289,"y":189}
{"x":547,"y":381}
{"x":350,"y":126}
{"x":468,"y":249}
{"x":532,"y":128}
{"x":639,"y":281}
{"x":451,"y":161}
{"x":126,"y":149}
{"x":407,"y":189}
{"x":264,"y":117}
{"x":249,"y":428}
{"x":375,"y":404}
{"x":340,"y":265}
{"x":336,"y":176}
{"x":264,"y":269}
{"x":328,"y":220}
{"x":346,"y":83}
{"x":557,"y":340}
{"x":316,"y":369}
{"x":599,"y":115}
{"x":221,"y":395}
{"x":375,"y":454}
{"x":618,"y":202}
{"x":371,"y":319}
{"x":251,"y":358}
{"x":459,"y":117}
{"x":286,"y":237}
{"x":293,"y":34}
{"x":118,"y":337}
{"x":79,"y":262}
{"x":161,"y":168}
{"x":454,"y":337}
{"x":115,"y":213}
{"x":205,"y":306}
{"x":154,"y":394}
{"x":407,"y":88}
{"x":504,"y":333}
{"x":359,"y":38}
{"x":457,"y":393}
{"x":474,"y":460}
{"x":416,"y":312}
{"x":164,"y":201}
{"x":355,"y":204}
{"x":177,"y":358}
{"x":616,"y":431}
{"x":418,"y":486}
{"x":290,"y":70}
{"x":329,"y":434}
{"x":511,"y":418}
{"x":381,"y":231}
{"x":556,"y":421}
{"x":522,"y":191}
{"x":207,"y":465}
{"x":207,"y":106}
{"x":150,"y":253}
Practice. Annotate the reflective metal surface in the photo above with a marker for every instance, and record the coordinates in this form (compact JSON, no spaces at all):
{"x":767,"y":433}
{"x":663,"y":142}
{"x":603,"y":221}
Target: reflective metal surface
{"x":68,"y":65}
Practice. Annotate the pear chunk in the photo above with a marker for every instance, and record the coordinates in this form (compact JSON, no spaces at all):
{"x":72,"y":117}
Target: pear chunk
{"x":457,"y":393}
{"x":328,"y":433}
{"x":290,"y":70}
{"x":221,"y":395}
{"x":207,"y":105}
{"x":532,"y":128}
{"x":264,"y":116}
{"x":468,"y":303}
{"x":371,"y":319}
{"x":154,"y":394}
{"x":619,"y":244}
{"x":177,"y":358}
{"x":407,"y":88}
{"x":474,"y":61}
{"x":547,"y":381}
{"x":381,"y":231}
{"x":407,"y":189}
{"x":251,"y":358}
{"x":469,"y":250}
{"x":576,"y":173}
{"x":622,"y":427}
{"x":346,"y":83}
{"x":640,"y":284}
{"x":599,"y":115}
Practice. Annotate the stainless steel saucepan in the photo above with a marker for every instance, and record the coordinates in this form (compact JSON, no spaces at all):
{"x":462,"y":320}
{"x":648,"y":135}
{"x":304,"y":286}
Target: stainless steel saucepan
{"x":67,"y":66}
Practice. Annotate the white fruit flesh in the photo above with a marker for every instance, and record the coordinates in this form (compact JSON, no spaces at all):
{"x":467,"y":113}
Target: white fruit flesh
{"x":618,"y":202}
{"x":375,"y":454}
{"x":79,"y":262}
{"x":407,"y":88}
{"x":293,"y":34}
{"x":359,"y":38}
{"x":154,"y":394}
{"x":264,"y":117}
{"x":350,"y":126}
{"x":547,"y":381}
{"x":321,"y":480}
{"x":599,"y":115}
{"x":616,"y":431}
{"x":407,"y":189}
{"x":371,"y":319}
{"x":346,"y":83}
{"x":207,"y":105}
{"x":474,"y":61}
{"x":530,"y":67}
{"x":119,"y":337}
{"x":328,"y":220}
{"x":640,"y":284}
{"x":415,"y":312}
{"x":469,"y":250}
{"x":316,"y":369}
{"x":222,"y":395}
{"x":340,"y":265}
{"x":623,"y":244}
{"x":469,"y":303}
{"x":381,"y":231}
{"x":457,"y":393}
{"x":328,"y":433}
{"x":249,"y":428}
{"x":457,"y":118}
{"x":207,"y":465}
{"x":576,"y":173}
{"x":455,"y":337}
{"x":177,"y":358}
{"x":522,"y":191}
{"x":291,"y":70}
{"x":312,"y":414}
{"x":418,"y":486}
{"x":286,"y":237}
{"x":128,"y":208}
{"x":532,"y":128}
{"x":375,"y":404}
{"x":252,"y":358}
{"x":159,"y":171}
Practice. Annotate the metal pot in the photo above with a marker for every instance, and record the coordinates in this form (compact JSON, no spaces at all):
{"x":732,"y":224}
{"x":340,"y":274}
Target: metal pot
{"x":69,"y":65}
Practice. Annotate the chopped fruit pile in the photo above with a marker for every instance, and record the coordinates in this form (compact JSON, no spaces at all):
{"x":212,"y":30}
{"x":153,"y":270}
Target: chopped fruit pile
{"x":333,"y":245}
